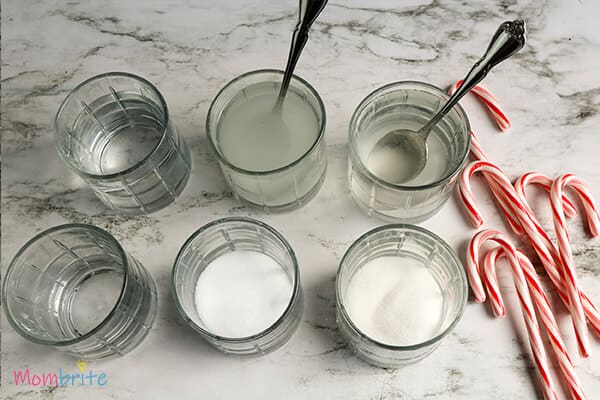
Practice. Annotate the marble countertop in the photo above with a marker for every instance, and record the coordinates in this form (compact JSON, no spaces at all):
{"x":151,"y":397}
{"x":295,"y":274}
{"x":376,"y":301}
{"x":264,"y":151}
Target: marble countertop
{"x":189,"y":49}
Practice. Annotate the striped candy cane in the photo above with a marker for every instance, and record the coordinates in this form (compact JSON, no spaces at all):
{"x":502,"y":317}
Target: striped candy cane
{"x":529,"y":316}
{"x":522,"y":219}
{"x":503,"y":185}
{"x":546,"y":183}
{"x":521,"y":211}
{"x":538,"y":237}
{"x":549,"y":255}
{"x":544,"y":311}
{"x":564,"y":249}
{"x":478,"y":154}
{"x":491,"y":103}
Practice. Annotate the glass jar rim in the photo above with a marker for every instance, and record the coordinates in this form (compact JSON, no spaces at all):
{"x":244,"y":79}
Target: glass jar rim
{"x":294,"y":292}
{"x":439,"y":241}
{"x":311,"y":149}
{"x":446,"y":177}
{"x":102,"y":323}
{"x":104,"y":75}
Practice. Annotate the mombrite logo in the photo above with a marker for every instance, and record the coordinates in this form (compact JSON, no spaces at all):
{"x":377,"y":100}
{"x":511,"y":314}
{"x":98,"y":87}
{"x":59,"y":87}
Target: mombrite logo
{"x":62,"y":378}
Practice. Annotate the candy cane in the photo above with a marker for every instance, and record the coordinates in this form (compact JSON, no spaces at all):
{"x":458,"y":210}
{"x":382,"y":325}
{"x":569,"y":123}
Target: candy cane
{"x":564,"y":249}
{"x":466,"y":196}
{"x":478,"y":153}
{"x":490,"y":101}
{"x":503,"y":185}
{"x":523,"y":220}
{"x":587,"y":200}
{"x":476,"y":149}
{"x":552,"y":268}
{"x":546,"y":183}
{"x":544,"y":309}
{"x":529,"y":316}
{"x":540,"y":241}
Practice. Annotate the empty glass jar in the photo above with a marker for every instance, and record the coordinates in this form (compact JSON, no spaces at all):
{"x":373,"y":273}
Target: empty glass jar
{"x":114,"y":131}
{"x":406,"y":105}
{"x":74,"y":288}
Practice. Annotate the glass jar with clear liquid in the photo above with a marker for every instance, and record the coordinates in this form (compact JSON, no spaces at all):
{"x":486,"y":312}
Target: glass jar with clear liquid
{"x":114,"y":131}
{"x":406,"y":105}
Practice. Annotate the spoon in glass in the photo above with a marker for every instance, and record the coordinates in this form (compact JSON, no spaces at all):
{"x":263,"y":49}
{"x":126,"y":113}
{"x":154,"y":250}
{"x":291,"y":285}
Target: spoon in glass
{"x":408,"y":148}
{"x":308,"y":13}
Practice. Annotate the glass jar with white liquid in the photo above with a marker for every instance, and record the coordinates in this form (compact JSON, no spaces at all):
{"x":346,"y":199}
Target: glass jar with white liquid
{"x":274,"y":160}
{"x":405,"y":105}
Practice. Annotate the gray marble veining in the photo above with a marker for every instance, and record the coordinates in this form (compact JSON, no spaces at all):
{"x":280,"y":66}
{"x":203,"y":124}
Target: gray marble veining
{"x":189,"y":49}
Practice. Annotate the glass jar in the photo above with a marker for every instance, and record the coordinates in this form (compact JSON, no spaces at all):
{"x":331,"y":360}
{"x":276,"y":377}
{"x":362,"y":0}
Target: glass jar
{"x":115,"y":132}
{"x":291,"y":184}
{"x":406,"y":105}
{"x":407,"y":242}
{"x":215,"y":240}
{"x":74,"y":288}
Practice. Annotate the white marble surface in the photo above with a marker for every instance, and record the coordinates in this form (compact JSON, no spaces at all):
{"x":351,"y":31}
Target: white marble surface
{"x":189,"y":49}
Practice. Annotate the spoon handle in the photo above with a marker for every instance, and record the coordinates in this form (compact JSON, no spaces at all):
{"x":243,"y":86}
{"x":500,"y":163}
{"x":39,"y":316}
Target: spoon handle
{"x":309,"y":11}
{"x":508,"y":39}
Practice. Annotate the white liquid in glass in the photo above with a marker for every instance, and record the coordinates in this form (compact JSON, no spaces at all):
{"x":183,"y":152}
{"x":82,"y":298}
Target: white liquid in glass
{"x":438,"y":159}
{"x":251,"y":135}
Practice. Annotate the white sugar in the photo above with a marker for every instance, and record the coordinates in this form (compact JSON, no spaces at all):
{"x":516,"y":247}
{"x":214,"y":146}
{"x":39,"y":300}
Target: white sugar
{"x":395,"y":300}
{"x":242,"y":293}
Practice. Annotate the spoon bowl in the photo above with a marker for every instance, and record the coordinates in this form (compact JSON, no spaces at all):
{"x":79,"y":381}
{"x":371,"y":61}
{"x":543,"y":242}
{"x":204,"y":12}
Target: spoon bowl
{"x":398,"y":157}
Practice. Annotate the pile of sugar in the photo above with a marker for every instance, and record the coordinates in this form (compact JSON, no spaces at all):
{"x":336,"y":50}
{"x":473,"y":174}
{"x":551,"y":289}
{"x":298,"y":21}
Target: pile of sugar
{"x":241,"y":293}
{"x":395,"y":300}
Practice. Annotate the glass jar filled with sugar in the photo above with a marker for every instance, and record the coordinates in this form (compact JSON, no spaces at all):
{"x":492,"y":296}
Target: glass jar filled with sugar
{"x":400,"y":290}
{"x":236,"y":282}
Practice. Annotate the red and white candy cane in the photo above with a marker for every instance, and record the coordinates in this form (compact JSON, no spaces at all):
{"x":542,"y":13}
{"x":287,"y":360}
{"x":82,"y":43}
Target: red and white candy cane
{"x":549,"y":254}
{"x":478,"y":154}
{"x":506,"y":190}
{"x":546,"y":183}
{"x":522,"y":219}
{"x":520,"y":213}
{"x":529,"y":316}
{"x":502,"y":184}
{"x":587,"y":200}
{"x":564,"y":248}
{"x":476,"y":150}
{"x":490,"y":101}
{"x":536,"y":234}
{"x":544,"y":311}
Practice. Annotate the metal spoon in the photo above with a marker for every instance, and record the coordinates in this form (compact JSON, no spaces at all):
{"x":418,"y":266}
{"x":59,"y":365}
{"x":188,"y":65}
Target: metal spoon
{"x":408,"y":148}
{"x":309,"y":11}
{"x":271,"y":123}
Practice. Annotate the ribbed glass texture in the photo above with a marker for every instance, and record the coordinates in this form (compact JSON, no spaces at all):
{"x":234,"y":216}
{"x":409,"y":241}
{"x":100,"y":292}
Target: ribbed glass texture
{"x":406,"y":241}
{"x":216,"y":239}
{"x":114,"y":131}
{"x":74,"y":288}
{"x":406,"y":105}
{"x":282,"y":189}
